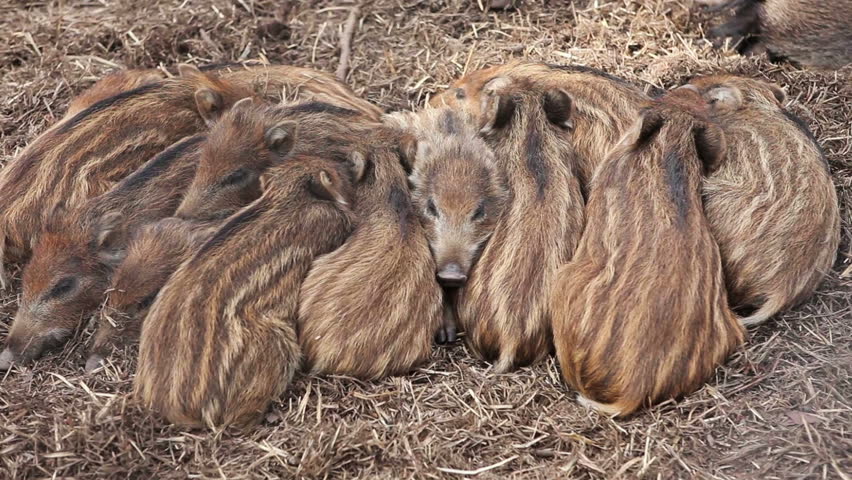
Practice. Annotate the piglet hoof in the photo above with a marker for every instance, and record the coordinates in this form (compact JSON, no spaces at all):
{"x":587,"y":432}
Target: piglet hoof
{"x":441,"y":336}
{"x":94,"y":362}
{"x":7,"y":358}
{"x":503,"y":4}
{"x":446,"y":334}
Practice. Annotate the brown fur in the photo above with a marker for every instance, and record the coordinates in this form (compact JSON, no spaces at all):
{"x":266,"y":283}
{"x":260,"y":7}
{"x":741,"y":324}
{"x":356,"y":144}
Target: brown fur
{"x":601,"y":108}
{"x":153,"y":254}
{"x":264,"y":136}
{"x":503,"y":306}
{"x":771,"y":206}
{"x":89,"y":153}
{"x":640,"y":315}
{"x":219,"y":343}
{"x":812,"y":33}
{"x":282,"y":82}
{"x":370,"y":308}
{"x":459,"y":193}
{"x":112,"y":84}
{"x":74,"y":257}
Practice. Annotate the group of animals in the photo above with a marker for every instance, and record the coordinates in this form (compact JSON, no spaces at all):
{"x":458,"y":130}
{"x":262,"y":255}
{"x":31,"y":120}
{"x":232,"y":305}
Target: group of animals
{"x":536,"y":207}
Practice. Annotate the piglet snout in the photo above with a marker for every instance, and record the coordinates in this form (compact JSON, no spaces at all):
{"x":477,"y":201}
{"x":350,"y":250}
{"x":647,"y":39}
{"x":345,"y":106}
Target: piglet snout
{"x":452,"y":275}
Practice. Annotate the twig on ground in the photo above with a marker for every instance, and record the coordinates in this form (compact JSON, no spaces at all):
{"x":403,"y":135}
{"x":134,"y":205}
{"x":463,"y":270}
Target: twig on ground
{"x":346,"y":42}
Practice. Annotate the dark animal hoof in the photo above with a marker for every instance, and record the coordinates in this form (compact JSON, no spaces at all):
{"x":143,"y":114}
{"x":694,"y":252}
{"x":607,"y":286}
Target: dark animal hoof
{"x":446,"y":335}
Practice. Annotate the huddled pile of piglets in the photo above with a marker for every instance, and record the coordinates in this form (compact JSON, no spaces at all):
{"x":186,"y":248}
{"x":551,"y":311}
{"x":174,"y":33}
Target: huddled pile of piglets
{"x":536,"y":208}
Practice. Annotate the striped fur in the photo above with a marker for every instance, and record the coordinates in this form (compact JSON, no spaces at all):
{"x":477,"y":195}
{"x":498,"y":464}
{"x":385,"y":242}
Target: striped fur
{"x":111,"y":85}
{"x":219,"y":343}
{"x":370,"y":308}
{"x":284,"y":82}
{"x":640,"y":314}
{"x":772,"y":206}
{"x":153,"y":253}
{"x":251,"y":138}
{"x":80,"y":248}
{"x":87,"y":154}
{"x":816,"y":34}
{"x":503,"y":306}
{"x":459,"y":193}
{"x":602,"y":106}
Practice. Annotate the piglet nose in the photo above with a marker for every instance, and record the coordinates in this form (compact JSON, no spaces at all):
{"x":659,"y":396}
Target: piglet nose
{"x":7,"y":358}
{"x":451,"y":275}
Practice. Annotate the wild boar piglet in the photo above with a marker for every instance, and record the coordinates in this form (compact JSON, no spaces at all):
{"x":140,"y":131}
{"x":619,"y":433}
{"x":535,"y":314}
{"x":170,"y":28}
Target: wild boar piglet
{"x":72,"y":260}
{"x":502,"y":306}
{"x":371,"y":308}
{"x":252,"y":138}
{"x":89,"y":153}
{"x":640,"y":314}
{"x":154,"y":252}
{"x":219,"y":342}
{"x":458,"y":192}
{"x":771,"y":204}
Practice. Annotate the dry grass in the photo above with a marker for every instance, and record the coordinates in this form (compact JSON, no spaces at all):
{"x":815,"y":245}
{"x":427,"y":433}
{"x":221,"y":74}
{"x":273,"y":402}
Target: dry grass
{"x":781,"y":408}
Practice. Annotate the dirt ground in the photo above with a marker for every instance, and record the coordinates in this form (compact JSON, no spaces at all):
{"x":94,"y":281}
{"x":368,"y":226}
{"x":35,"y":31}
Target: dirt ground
{"x":780,"y":408}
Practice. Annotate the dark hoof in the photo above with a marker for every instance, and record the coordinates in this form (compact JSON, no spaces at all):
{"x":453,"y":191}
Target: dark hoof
{"x":94,"y":362}
{"x":503,"y":4}
{"x":7,"y":358}
{"x":446,"y":335}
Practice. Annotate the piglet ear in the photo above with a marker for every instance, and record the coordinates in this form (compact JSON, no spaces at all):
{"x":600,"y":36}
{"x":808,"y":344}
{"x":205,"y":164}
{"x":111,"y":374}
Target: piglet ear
{"x":280,"y":137}
{"x":643,"y":130}
{"x":710,"y":146}
{"x":407,"y":151}
{"x":110,"y":237}
{"x":651,"y":126}
{"x":210,"y":104}
{"x":724,"y":99}
{"x":778,"y":93}
{"x":558,"y":108}
{"x":148,"y":77}
{"x":497,"y":108}
{"x":186,"y":70}
{"x":328,"y":186}
{"x":359,"y":165}
{"x":243,"y":103}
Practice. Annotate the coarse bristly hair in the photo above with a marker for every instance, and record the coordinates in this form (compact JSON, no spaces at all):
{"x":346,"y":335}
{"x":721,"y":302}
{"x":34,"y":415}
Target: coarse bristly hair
{"x":459,"y":193}
{"x":771,"y":205}
{"x":253,"y":137}
{"x":85,"y":155}
{"x":153,"y":253}
{"x":640,"y":315}
{"x":503,"y":305}
{"x":74,"y":257}
{"x":370,"y":308}
{"x":815,"y":34}
{"x":219,"y":343}
{"x":600,"y":108}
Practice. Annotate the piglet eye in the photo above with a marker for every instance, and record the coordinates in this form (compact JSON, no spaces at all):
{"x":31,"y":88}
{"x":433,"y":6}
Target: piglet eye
{"x":431,"y":208}
{"x":236,"y":177}
{"x":479,"y":214}
{"x":62,"y":287}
